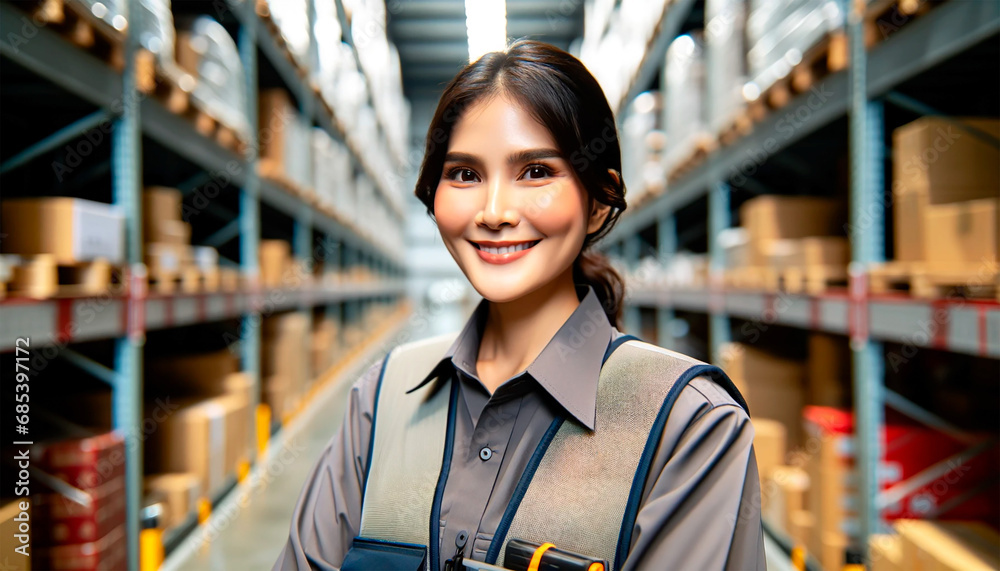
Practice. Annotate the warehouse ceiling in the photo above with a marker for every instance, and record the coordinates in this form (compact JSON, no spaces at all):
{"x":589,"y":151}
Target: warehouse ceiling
{"x":433,"y":45}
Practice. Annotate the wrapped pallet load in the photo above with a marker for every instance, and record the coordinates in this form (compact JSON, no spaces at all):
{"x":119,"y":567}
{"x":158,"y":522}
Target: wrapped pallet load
{"x":684,"y":100}
{"x":292,"y":19}
{"x":642,"y":143}
{"x":156,"y":32}
{"x":725,"y":57}
{"x":778,"y":34}
{"x":205,"y":49}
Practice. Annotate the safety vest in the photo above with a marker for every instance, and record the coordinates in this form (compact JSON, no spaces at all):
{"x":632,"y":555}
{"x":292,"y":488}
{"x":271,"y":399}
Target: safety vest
{"x":581,"y":489}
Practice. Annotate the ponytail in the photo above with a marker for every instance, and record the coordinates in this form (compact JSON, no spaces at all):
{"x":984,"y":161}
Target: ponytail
{"x":593,"y":269}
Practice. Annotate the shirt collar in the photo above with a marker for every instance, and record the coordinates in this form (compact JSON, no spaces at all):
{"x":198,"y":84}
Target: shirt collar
{"x":568,"y":368}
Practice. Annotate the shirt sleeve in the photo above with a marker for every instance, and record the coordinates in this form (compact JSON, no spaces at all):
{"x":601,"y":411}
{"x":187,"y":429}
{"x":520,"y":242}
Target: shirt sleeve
{"x":701,"y":501}
{"x":327,"y":515}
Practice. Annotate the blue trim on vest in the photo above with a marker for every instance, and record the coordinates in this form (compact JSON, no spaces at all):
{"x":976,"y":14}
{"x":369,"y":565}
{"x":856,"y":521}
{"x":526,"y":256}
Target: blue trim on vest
{"x":449,"y":446}
{"x":653,"y":440}
{"x":529,"y":472}
{"x":371,"y":435}
{"x":521,"y":489}
{"x":615,"y":344}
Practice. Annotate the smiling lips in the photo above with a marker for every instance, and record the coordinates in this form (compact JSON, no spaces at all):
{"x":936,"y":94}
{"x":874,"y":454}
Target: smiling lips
{"x":502,"y":252}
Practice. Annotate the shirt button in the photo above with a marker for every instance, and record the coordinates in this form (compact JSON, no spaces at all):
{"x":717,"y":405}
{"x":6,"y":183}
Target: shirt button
{"x":485,"y":454}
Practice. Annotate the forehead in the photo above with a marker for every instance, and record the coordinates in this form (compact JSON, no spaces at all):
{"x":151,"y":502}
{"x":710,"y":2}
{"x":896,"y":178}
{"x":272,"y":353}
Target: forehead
{"x":499,"y":123}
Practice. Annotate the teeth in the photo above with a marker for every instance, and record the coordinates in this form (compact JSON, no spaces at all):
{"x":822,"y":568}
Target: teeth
{"x":507,"y":249}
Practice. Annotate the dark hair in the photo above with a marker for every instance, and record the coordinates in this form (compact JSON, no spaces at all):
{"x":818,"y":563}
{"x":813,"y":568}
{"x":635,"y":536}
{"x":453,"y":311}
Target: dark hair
{"x":559,"y":92}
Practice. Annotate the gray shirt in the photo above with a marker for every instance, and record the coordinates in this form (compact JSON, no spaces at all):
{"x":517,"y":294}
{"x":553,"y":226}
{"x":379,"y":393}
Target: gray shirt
{"x":700,"y":507}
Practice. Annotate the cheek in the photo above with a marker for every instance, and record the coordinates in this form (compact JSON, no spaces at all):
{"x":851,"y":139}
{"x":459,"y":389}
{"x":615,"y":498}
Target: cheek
{"x":453,"y":214}
{"x":558,"y":213}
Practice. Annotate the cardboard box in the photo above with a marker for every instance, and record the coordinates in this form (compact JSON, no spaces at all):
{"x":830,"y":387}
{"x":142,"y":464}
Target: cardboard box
{"x":938,"y":156}
{"x":769,"y":443}
{"x":166,"y":258}
{"x":161,"y":206}
{"x":886,"y":552}
{"x":828,"y":370}
{"x":71,"y":229}
{"x":192,"y":439}
{"x":180,"y":490}
{"x":772,"y":386}
{"x":908,"y":225}
{"x":948,"y":546}
{"x":800,"y":526}
{"x":192,"y":374}
{"x":277,"y":120}
{"x":275,"y":260}
{"x":13,"y":514}
{"x":962,"y":234}
{"x":770,"y":217}
{"x":783,"y":493}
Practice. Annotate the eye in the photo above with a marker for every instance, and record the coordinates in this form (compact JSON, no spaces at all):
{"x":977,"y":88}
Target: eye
{"x":461,"y":174}
{"x":536,"y":172}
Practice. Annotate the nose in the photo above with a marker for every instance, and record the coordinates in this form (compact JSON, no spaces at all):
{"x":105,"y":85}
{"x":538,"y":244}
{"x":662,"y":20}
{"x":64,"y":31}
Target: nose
{"x":499,"y":208}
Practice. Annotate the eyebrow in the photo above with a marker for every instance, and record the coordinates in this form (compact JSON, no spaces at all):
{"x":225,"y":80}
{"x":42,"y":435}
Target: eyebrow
{"x":519,"y":157}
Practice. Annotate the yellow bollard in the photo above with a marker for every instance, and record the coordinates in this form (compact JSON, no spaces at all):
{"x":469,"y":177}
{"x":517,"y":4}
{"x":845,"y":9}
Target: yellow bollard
{"x":204,"y":510}
{"x":150,"y":549}
{"x":242,"y":470}
{"x":799,"y":558}
{"x":263,"y":427}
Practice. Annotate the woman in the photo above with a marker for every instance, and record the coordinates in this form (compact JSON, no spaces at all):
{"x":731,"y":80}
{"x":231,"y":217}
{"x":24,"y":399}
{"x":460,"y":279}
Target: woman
{"x":540,"y":421}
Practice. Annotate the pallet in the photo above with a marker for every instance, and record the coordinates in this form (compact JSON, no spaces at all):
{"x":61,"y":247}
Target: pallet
{"x":42,"y":276}
{"x":921,"y":281}
{"x":274,"y":172}
{"x":189,"y":279}
{"x":813,"y":280}
{"x":703,"y":146}
{"x":757,"y":278}
{"x":884,"y":18}
{"x":827,"y":56}
{"x":173,"y":87}
{"x":75,"y":22}
{"x":740,"y":126}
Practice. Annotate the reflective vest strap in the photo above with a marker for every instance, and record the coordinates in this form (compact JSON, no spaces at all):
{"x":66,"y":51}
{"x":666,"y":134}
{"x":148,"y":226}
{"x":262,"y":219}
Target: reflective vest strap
{"x":408,"y":441}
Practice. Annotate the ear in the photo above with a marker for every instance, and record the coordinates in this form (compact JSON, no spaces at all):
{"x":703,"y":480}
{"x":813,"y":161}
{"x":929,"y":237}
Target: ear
{"x":599,"y":211}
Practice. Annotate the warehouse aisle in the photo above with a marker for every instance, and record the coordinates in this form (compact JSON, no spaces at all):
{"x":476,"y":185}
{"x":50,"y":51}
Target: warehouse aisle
{"x":252,"y":536}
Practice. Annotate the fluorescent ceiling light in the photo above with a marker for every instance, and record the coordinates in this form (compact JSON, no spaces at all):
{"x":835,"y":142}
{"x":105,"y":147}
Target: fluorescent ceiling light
{"x":486,"y":23}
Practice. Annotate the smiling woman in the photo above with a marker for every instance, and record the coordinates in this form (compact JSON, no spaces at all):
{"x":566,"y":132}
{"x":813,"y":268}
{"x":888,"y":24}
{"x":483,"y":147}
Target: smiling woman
{"x":540,"y":423}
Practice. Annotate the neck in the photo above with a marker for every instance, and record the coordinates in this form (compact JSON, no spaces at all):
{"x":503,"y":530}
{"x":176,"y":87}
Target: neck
{"x":516,"y":331}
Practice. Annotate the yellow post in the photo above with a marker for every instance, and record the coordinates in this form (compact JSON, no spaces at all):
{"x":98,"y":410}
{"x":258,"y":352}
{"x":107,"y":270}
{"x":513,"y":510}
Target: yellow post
{"x":150,"y":549}
{"x":263,"y":427}
{"x":204,"y":510}
{"x":799,"y":558}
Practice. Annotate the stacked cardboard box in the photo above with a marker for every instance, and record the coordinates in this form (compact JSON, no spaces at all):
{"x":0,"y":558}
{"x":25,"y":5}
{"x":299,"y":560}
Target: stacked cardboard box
{"x":946,"y":190}
{"x":275,"y":263}
{"x":771,"y":218}
{"x":206,"y":428}
{"x":69,"y":535}
{"x":180,"y":490}
{"x":772,"y":386}
{"x":69,"y":229}
{"x":285,"y":361}
{"x":947,"y":546}
{"x":285,"y":139}
{"x":167,"y":242}
{"x":325,"y":345}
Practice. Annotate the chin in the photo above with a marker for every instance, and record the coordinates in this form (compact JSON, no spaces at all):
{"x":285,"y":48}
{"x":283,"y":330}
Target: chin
{"x":498,"y":290}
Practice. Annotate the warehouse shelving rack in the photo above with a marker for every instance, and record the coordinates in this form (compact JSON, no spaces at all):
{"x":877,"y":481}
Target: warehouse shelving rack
{"x":125,"y":318}
{"x":960,"y":326}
